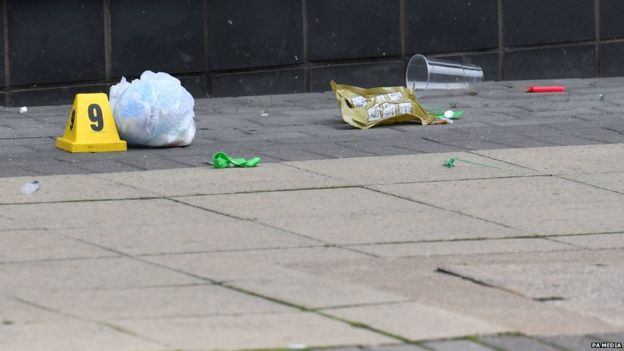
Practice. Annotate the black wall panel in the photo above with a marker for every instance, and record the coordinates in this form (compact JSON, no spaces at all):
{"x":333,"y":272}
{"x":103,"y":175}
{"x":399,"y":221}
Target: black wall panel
{"x":488,"y":62}
{"x":368,"y":75}
{"x":259,"y":82}
{"x":611,"y":25}
{"x":255,"y":47}
{"x":567,"y":62}
{"x":451,"y":25}
{"x":529,"y":22}
{"x":348,"y":29}
{"x":56,"y":42}
{"x":258,"y":33}
{"x":2,"y":75}
{"x":611,"y":60}
{"x":158,"y":35}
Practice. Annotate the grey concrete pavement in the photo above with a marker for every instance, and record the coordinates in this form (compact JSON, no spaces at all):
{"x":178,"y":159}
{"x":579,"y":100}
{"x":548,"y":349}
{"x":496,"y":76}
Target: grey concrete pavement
{"x":309,"y":127}
{"x":339,"y":260}
{"x":391,"y":251}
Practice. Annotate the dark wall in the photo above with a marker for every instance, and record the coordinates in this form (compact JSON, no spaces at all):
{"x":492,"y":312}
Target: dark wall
{"x":52,"y":50}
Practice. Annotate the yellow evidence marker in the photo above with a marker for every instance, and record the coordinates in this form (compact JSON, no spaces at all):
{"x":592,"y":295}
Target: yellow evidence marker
{"x":91,"y":127}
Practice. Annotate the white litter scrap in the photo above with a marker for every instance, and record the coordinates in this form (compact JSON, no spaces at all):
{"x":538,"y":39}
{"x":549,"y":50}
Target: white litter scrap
{"x":297,"y":346}
{"x":30,"y":188}
{"x":23,"y":109}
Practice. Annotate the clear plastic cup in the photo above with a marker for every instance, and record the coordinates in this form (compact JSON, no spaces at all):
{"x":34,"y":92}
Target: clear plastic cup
{"x":439,"y":77}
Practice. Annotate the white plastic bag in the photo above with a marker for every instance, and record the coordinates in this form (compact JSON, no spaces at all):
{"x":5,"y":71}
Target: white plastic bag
{"x":154,"y":110}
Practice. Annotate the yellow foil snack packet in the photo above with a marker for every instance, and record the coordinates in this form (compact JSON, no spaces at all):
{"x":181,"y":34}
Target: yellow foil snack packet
{"x":365,"y":108}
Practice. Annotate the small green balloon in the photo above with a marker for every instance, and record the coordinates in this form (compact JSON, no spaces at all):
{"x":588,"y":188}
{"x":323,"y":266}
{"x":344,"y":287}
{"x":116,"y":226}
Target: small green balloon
{"x":222,"y":160}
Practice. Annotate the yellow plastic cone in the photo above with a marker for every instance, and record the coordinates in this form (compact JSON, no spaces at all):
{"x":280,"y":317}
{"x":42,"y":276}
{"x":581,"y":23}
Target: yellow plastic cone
{"x":91,"y":127}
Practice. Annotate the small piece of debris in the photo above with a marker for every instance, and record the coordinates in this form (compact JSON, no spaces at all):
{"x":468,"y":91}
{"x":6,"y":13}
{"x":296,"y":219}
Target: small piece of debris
{"x":23,"y":109}
{"x":297,"y":346}
{"x":601,"y":97}
{"x":264,"y":114}
{"x":30,"y":188}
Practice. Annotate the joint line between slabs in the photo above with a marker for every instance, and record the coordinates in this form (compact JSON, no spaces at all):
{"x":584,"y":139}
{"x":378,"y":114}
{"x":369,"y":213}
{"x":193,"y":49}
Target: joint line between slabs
{"x":363,"y":326}
{"x":588,"y":184}
{"x":364,"y":304}
{"x":434,"y":241}
{"x":554,"y":240}
{"x":455,"y":180}
{"x":477,"y":281}
{"x":65,"y":259}
{"x":466,"y":149}
{"x":273,"y":248}
{"x":478,"y":153}
{"x":142,"y":260}
{"x":228,"y":286}
{"x":250,"y":221}
{"x":441,"y":208}
{"x":336,"y":187}
{"x":86,"y":320}
{"x":146,"y":198}
{"x":282,"y":230}
{"x":542,"y":174}
{"x":225,"y":285}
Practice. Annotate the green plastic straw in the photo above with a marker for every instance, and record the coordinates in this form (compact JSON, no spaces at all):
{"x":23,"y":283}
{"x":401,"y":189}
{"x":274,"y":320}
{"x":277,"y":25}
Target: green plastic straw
{"x":450,"y":163}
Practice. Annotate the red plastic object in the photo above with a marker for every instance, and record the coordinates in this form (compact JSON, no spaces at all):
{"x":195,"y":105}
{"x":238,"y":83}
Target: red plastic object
{"x":546,"y":89}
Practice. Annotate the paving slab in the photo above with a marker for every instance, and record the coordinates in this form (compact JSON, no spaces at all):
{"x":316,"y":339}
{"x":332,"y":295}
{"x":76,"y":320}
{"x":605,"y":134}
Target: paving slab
{"x":153,"y":302}
{"x":418,"y":278}
{"x":72,"y":335}
{"x":540,"y":205}
{"x":106,"y":273}
{"x":416,"y":321}
{"x":201,"y":181}
{"x":266,"y":272}
{"x":93,"y":214}
{"x":249,"y":264}
{"x":314,"y":292}
{"x":610,"y":181}
{"x":351,"y":215}
{"x":588,"y":287}
{"x":211,"y":233}
{"x":13,"y":312}
{"x":397,"y":347}
{"x":512,"y":342}
{"x":565,"y":160}
{"x":596,"y":241}
{"x":570,"y":342}
{"x":253,"y":332}
{"x":67,"y":188}
{"x":455,"y":345}
{"x":340,"y":348}
{"x":410,"y":168}
{"x":41,"y":245}
{"x":459,"y":247}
